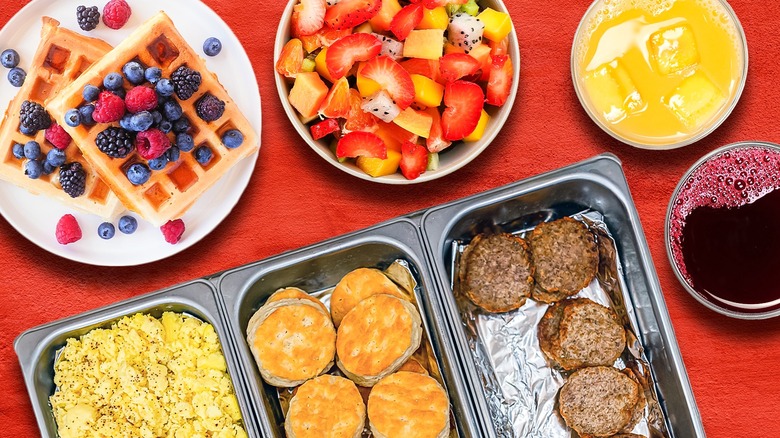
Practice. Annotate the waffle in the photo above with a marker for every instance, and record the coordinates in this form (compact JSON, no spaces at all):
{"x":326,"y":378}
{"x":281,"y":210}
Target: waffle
{"x":170,"y":191}
{"x":61,"y":57}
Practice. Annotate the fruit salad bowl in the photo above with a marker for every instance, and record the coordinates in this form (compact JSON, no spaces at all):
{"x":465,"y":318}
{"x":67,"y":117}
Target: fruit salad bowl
{"x":393,"y":100}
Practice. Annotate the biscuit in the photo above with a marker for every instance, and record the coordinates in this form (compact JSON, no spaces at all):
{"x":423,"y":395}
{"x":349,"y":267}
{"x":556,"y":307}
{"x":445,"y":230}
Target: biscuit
{"x":292,"y":340}
{"x":496,"y":272}
{"x":566,"y":258}
{"x":408,"y":404}
{"x":376,"y":337}
{"x":358,"y":285}
{"x":326,"y":406}
{"x":294,"y":293}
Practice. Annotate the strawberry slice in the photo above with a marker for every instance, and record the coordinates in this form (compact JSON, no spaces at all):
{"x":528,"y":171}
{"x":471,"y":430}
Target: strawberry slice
{"x":425,"y":67}
{"x":337,"y":103}
{"x":291,"y":58}
{"x":500,"y":83}
{"x":435,"y":141}
{"x":414,"y":160}
{"x":459,"y":65}
{"x":392,"y":78}
{"x":464,"y":101}
{"x":323,"y":128}
{"x":308,"y":17}
{"x":499,"y":48}
{"x":361,"y":144}
{"x":348,"y":50}
{"x":359,"y":120}
{"x":350,"y":13}
{"x":406,"y":20}
{"x":324,"y":37}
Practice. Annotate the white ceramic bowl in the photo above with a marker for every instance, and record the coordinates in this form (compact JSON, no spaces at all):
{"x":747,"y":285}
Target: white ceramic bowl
{"x":450,"y":160}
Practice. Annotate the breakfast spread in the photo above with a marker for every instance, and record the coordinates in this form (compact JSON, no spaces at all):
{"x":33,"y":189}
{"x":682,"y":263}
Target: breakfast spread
{"x":406,"y":81}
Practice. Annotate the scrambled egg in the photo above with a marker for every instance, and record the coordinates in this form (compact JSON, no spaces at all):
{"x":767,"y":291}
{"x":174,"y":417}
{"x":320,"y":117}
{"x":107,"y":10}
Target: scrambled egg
{"x":146,"y":377}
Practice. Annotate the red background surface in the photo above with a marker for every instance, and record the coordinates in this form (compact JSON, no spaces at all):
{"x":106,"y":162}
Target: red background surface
{"x":295,"y":199}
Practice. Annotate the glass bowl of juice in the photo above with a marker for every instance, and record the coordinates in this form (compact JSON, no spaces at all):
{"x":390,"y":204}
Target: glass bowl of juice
{"x":723,"y":230}
{"x":659,"y":74}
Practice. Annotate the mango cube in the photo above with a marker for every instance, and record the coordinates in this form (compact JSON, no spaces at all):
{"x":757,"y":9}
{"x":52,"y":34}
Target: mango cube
{"x":307,"y":94}
{"x":479,"y":131}
{"x":416,"y":122}
{"x":673,"y":50}
{"x":435,"y":18}
{"x":695,"y":100}
{"x":424,"y":43}
{"x":381,"y":21}
{"x":367,"y":87}
{"x":377,"y":167}
{"x":321,"y":67}
{"x":612,"y":92}
{"x":427,"y":92}
{"x":497,"y":24}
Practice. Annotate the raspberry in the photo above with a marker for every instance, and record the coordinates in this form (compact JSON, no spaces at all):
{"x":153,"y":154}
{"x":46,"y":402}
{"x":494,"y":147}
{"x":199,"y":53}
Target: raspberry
{"x":173,"y":230}
{"x":68,"y":230}
{"x":141,"y":99}
{"x":152,"y":143}
{"x":33,"y":117}
{"x":73,"y":179}
{"x":114,"y":142}
{"x":88,"y":17}
{"x":116,"y":13}
{"x":186,"y":82}
{"x":209,"y":108}
{"x":57,"y":136}
{"x":108,"y":108}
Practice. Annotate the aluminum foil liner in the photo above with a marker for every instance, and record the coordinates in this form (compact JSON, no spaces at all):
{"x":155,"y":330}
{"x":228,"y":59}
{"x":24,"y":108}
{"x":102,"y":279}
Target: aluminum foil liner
{"x":520,"y":385}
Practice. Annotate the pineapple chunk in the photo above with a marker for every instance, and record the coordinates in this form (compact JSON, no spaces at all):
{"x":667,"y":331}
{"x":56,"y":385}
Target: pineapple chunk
{"x":424,"y":43}
{"x":497,"y":24}
{"x":479,"y":131}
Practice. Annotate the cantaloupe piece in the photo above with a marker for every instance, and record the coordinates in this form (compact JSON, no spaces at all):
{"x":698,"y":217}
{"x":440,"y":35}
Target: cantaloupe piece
{"x":416,"y":122}
{"x":381,"y":21}
{"x":424,"y":43}
{"x":377,"y":167}
{"x":479,"y":131}
{"x":307,"y":94}
{"x":481,"y":52}
{"x":435,"y":18}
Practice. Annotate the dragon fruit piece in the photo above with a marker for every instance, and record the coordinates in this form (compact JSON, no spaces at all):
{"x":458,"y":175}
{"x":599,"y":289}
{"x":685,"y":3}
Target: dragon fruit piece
{"x":390,"y":47}
{"x":382,"y":106}
{"x":465,"y":31}
{"x":332,"y":2}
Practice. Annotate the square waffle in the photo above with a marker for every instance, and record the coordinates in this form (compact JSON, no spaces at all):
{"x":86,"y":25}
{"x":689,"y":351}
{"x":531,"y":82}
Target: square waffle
{"x":169,"y":192}
{"x":61,"y":57}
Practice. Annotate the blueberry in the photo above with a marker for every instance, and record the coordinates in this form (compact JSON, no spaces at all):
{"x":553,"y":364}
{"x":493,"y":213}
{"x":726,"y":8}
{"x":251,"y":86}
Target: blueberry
{"x":134,"y":73}
{"x":181,"y":125}
{"x":203,"y":155}
{"x":153,"y":74}
{"x":184,"y":142}
{"x":47,"y":168}
{"x":173,"y":154}
{"x":18,"y":150}
{"x":26,"y":130}
{"x":124,"y":122}
{"x":73,"y":118}
{"x":164,"y":87}
{"x":86,"y":114}
{"x":113,"y":81}
{"x":141,"y":121}
{"x":16,"y":76}
{"x":119,"y":92}
{"x":159,"y":162}
{"x":232,"y":138}
{"x":9,"y":58}
{"x":172,"y":110}
{"x":90,"y":93}
{"x":106,"y":230}
{"x":161,"y":100}
{"x":165,"y":126}
{"x":157,"y":116}
{"x":212,"y":46}
{"x":33,"y":169}
{"x":32,"y":150}
{"x":138,"y":174}
{"x":128,"y":224}
{"x":55,"y":157}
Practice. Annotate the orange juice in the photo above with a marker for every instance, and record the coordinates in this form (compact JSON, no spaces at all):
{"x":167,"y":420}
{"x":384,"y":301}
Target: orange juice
{"x":659,"y":73}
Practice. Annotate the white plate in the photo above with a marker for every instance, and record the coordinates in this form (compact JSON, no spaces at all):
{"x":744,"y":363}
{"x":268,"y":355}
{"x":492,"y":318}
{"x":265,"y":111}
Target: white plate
{"x":35,"y":217}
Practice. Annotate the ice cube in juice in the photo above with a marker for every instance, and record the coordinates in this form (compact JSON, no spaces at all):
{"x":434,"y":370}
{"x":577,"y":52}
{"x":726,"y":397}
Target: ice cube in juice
{"x":695,"y":100}
{"x":613,"y":92}
{"x":673,"y":50}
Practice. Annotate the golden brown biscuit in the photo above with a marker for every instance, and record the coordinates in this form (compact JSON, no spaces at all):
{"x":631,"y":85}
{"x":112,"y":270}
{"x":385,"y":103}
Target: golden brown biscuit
{"x":326,"y":406}
{"x":295,"y":293}
{"x":408,"y":404}
{"x":357,"y":286}
{"x":376,"y":337}
{"x":292,"y":340}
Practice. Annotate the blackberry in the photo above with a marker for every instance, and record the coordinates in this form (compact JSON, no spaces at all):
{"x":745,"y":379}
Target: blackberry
{"x":33,"y":117}
{"x":115,"y":142}
{"x":88,"y":17}
{"x":209,"y":108}
{"x":73,"y":179}
{"x":186,"y":82}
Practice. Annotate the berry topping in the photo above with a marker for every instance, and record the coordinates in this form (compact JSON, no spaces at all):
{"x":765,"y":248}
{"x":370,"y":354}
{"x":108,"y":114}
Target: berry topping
{"x":173,"y":230}
{"x":128,"y":224}
{"x":141,"y":121}
{"x":164,"y":87}
{"x":308,"y":17}
{"x":203,"y":155}
{"x":73,"y":179}
{"x":90,"y":93}
{"x":153,"y":74}
{"x":48,"y":169}
{"x":68,"y":230}
{"x":186,"y":82}
{"x":116,"y":13}
{"x":86,"y":113}
{"x":172,"y":110}
{"x":159,"y":162}
{"x":32,"y":150}
{"x":212,"y":46}
{"x":33,"y":169}
{"x":113,"y":81}
{"x":72,"y":118}
{"x":57,"y":136}
{"x":350,"y":13}
{"x":108,"y":108}
{"x":138,"y":173}
{"x":33,"y":117}
{"x":140,"y":99}
{"x":16,"y":76}
{"x":346,"y":51}
{"x":114,"y":142}
{"x":233,"y":138}
{"x":209,"y":107}
{"x":55,"y":158}
{"x":165,"y":126}
{"x":134,"y":73}
{"x":106,"y":230}
{"x":173,"y":154}
{"x":18,"y":150}
{"x":9,"y":58}
{"x":88,"y":17}
{"x":184,"y":142}
{"x":181,"y":125}
{"x":152,"y":143}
